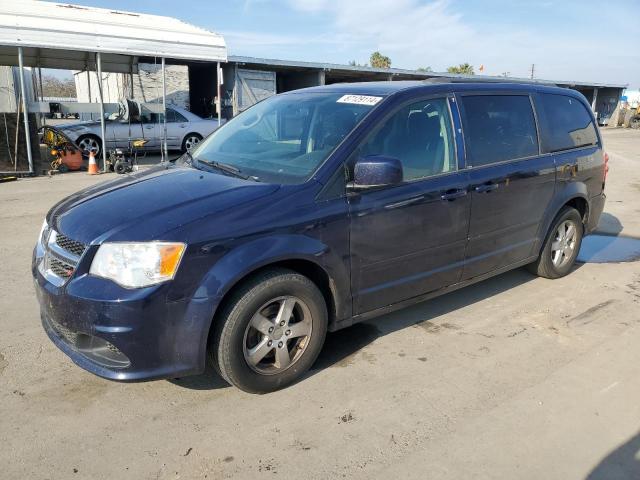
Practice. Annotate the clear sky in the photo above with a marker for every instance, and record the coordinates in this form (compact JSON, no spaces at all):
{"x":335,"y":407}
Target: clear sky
{"x":566,"y":40}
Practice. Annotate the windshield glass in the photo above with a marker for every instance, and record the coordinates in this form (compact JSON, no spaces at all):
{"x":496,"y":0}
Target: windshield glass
{"x":284,"y":138}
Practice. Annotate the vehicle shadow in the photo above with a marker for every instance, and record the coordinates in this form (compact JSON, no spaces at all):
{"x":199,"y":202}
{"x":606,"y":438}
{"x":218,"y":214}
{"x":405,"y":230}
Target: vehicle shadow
{"x":609,"y":224}
{"x":207,"y":380}
{"x":340,"y":346}
{"x":622,"y":463}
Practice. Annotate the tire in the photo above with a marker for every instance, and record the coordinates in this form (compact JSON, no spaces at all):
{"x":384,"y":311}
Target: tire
{"x":89,"y":143}
{"x":62,"y":168}
{"x":190,"y":141}
{"x":254,"y":359}
{"x":557,"y":262}
{"x":121,"y":167}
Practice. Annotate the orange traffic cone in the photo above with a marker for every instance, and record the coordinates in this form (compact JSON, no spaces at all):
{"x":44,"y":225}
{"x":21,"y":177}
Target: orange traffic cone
{"x":93,"y":166}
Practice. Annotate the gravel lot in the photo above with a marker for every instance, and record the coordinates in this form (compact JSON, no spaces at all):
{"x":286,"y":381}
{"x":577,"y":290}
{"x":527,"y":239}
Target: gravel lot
{"x":516,"y":377}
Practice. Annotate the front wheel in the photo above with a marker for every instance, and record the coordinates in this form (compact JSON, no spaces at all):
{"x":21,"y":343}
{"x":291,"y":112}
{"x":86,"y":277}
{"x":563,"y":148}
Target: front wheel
{"x":88,"y":144}
{"x":191,"y":141}
{"x":561,"y":246}
{"x":270,"y":332}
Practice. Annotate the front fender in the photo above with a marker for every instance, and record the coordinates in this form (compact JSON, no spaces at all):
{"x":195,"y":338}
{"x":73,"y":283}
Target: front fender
{"x":249,"y":257}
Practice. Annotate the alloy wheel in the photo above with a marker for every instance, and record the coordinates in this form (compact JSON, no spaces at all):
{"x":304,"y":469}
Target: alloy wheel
{"x":191,"y":142}
{"x":564,"y":244}
{"x":277,"y":335}
{"x":88,"y":145}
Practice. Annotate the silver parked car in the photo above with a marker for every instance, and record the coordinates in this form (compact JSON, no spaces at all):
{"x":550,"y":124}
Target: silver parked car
{"x":184,"y":131}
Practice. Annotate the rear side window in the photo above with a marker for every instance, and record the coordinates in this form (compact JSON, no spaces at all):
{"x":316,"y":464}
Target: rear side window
{"x":175,"y":117}
{"x":569,"y":124}
{"x":498,"y":128}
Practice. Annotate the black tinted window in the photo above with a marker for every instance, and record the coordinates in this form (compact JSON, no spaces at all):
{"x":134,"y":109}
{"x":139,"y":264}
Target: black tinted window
{"x":174,"y":117}
{"x":498,"y":128}
{"x":420,"y":136}
{"x":569,"y":124}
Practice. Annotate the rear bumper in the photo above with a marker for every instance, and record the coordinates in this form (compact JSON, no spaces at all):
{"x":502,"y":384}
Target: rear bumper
{"x":596,"y":206}
{"x":125,"y":335}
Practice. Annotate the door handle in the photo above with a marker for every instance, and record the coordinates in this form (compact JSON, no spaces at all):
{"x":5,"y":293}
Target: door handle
{"x":487,"y":187}
{"x":453,"y":194}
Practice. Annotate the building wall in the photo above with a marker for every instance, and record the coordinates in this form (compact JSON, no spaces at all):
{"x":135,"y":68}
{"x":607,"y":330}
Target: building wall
{"x":147,"y":85}
{"x":10,"y":88}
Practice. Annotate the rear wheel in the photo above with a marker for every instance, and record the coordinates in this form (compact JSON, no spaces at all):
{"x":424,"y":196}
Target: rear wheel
{"x":561,"y":245}
{"x":270,"y":332}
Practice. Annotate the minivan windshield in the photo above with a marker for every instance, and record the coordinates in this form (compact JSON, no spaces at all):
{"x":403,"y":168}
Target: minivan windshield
{"x":284,"y":138}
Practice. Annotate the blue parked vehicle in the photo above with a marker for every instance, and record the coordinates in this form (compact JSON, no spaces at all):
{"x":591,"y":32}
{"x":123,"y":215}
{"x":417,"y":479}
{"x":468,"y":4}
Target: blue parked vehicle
{"x":311,"y":211}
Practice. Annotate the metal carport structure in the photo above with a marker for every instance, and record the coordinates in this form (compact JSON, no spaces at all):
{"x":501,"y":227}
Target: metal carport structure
{"x":55,"y":35}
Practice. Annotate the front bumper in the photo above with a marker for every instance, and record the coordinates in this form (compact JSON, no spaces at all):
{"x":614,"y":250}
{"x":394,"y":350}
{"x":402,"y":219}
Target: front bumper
{"x":123,"y":334}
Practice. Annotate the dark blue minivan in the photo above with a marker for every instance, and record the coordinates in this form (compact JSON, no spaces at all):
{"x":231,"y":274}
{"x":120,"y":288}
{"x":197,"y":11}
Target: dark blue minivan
{"x":310,"y":211}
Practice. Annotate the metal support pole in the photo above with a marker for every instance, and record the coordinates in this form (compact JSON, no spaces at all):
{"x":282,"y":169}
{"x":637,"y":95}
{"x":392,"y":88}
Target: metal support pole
{"x":27,"y":132}
{"x":102,"y":127}
{"x":594,"y":103}
{"x":43,"y":117}
{"x":218,"y":92}
{"x":89,"y":87}
{"x":164,"y":113}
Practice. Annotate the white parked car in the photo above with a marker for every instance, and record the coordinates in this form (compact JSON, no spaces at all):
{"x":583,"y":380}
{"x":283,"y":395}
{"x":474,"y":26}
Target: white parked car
{"x":184,"y":131}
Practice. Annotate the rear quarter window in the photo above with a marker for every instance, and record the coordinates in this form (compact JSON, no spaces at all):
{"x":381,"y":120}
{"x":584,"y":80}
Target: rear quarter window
{"x":498,"y":128}
{"x":568,"y":123}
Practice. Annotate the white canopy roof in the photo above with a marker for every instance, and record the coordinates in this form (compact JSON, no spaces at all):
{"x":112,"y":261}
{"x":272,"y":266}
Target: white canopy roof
{"x":58,"y":35}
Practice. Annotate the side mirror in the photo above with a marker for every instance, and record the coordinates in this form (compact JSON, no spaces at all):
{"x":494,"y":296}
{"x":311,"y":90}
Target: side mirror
{"x":376,"y":171}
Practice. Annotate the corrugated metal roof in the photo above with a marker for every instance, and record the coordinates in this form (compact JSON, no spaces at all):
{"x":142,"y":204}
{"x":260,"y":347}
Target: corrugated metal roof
{"x":73,"y":28}
{"x":408,"y":73}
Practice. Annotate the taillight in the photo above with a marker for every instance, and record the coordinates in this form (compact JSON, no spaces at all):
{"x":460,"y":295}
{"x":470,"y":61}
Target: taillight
{"x":606,"y":167}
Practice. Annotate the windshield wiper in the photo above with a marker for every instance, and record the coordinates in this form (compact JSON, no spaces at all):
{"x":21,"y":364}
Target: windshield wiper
{"x":226,"y":168}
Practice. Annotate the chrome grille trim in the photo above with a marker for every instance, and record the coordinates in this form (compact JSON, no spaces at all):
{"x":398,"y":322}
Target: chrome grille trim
{"x":61,"y":257}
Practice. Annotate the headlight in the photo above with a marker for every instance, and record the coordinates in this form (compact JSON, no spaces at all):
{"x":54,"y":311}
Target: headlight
{"x":135,"y":265}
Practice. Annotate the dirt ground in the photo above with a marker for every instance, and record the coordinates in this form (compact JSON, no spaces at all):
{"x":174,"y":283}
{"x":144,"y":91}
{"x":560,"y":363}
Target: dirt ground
{"x":517,"y":377}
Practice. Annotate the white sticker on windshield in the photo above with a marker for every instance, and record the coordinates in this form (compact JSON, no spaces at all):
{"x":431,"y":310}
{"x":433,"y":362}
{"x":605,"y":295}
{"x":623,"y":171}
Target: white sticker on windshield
{"x":359,"y":99}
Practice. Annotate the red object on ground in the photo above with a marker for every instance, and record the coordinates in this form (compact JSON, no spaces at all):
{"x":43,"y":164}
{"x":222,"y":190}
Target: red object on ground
{"x":73,"y":160}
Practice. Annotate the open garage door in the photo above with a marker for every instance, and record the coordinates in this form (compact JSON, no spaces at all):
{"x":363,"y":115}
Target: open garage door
{"x":252,"y":86}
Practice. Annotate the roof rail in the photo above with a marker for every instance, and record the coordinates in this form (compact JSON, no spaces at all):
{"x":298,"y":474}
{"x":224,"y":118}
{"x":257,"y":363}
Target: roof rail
{"x":455,"y":79}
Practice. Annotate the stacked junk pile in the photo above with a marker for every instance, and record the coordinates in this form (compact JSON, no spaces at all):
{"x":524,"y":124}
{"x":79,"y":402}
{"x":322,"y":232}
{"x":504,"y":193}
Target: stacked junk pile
{"x":626,"y":114}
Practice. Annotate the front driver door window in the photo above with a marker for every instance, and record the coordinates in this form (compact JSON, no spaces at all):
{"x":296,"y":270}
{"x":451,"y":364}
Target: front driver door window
{"x":409,"y":239}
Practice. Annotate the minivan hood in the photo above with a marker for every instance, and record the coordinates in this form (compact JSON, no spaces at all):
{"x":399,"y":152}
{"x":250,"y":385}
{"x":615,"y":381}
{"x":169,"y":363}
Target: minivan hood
{"x":145,"y":205}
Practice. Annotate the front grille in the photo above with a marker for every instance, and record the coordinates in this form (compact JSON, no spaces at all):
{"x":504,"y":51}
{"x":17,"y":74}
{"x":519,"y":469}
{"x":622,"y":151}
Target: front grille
{"x":69,"y":245}
{"x":61,"y":256}
{"x":60,"y":267}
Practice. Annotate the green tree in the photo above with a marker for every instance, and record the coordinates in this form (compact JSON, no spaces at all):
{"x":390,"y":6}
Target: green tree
{"x":353,"y":63}
{"x":424,"y":69}
{"x":463,"y":68}
{"x":378,"y":60}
